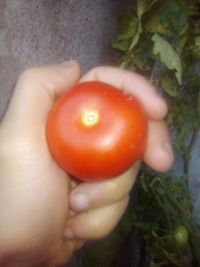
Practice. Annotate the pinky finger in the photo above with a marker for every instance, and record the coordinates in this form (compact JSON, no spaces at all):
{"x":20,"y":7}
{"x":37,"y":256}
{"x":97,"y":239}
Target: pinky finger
{"x":96,"y":223}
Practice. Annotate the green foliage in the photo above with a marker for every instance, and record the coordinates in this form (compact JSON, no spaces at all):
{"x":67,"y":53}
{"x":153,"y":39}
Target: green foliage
{"x":169,"y":84}
{"x":169,"y":210}
{"x":129,"y":29}
{"x":167,"y":55}
{"x":166,"y":48}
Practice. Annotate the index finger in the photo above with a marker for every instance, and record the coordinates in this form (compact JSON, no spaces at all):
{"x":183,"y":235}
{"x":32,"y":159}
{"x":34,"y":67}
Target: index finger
{"x":153,"y":103}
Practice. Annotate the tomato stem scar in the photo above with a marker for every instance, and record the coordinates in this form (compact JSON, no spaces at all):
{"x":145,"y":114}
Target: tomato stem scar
{"x":90,"y":118}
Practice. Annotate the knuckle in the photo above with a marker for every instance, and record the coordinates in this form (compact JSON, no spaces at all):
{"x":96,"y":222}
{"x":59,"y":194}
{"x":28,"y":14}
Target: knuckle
{"x":28,"y":74}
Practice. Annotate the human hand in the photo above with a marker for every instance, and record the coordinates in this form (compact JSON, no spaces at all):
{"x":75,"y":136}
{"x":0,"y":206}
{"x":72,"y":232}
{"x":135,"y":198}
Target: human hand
{"x":100,"y":205}
{"x":33,"y":189}
{"x":34,"y":201}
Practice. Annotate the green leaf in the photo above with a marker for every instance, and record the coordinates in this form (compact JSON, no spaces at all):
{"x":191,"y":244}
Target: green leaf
{"x":128,"y":30}
{"x":169,"y":85}
{"x":167,"y":55}
{"x":176,"y":16}
{"x":138,"y":61}
{"x":124,"y":21}
{"x":129,"y":27}
{"x":136,"y":37}
{"x":153,"y":16}
{"x":121,"y":45}
{"x":167,"y":17}
{"x":142,"y":7}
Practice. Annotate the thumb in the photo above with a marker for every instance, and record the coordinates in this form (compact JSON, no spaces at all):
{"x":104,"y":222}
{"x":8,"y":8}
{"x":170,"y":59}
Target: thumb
{"x":35,"y":93}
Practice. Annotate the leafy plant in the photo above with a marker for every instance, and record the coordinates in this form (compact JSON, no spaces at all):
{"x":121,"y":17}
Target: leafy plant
{"x":164,"y":45}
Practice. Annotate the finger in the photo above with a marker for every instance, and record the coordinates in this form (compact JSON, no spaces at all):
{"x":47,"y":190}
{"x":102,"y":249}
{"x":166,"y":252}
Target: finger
{"x":96,"y":223}
{"x":36,"y":91}
{"x":159,"y":154}
{"x":95,"y":195}
{"x":137,"y":85}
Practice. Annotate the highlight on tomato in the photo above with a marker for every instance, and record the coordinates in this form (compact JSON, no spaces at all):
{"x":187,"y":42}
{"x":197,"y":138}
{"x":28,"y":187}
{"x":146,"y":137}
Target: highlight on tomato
{"x":96,"y":131}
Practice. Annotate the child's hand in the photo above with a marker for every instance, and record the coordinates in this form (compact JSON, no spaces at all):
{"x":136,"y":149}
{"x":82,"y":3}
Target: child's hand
{"x":43,"y":214}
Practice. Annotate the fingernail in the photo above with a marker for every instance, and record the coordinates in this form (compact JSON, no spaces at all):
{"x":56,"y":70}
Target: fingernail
{"x":80,"y":202}
{"x":167,"y":147}
{"x":69,"y":234}
{"x":68,"y":63}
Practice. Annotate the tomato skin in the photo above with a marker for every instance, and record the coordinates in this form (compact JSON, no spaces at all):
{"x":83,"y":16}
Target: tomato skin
{"x":95,"y":131}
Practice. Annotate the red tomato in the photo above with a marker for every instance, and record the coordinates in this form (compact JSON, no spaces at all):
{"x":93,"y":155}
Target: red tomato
{"x":96,"y":131}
